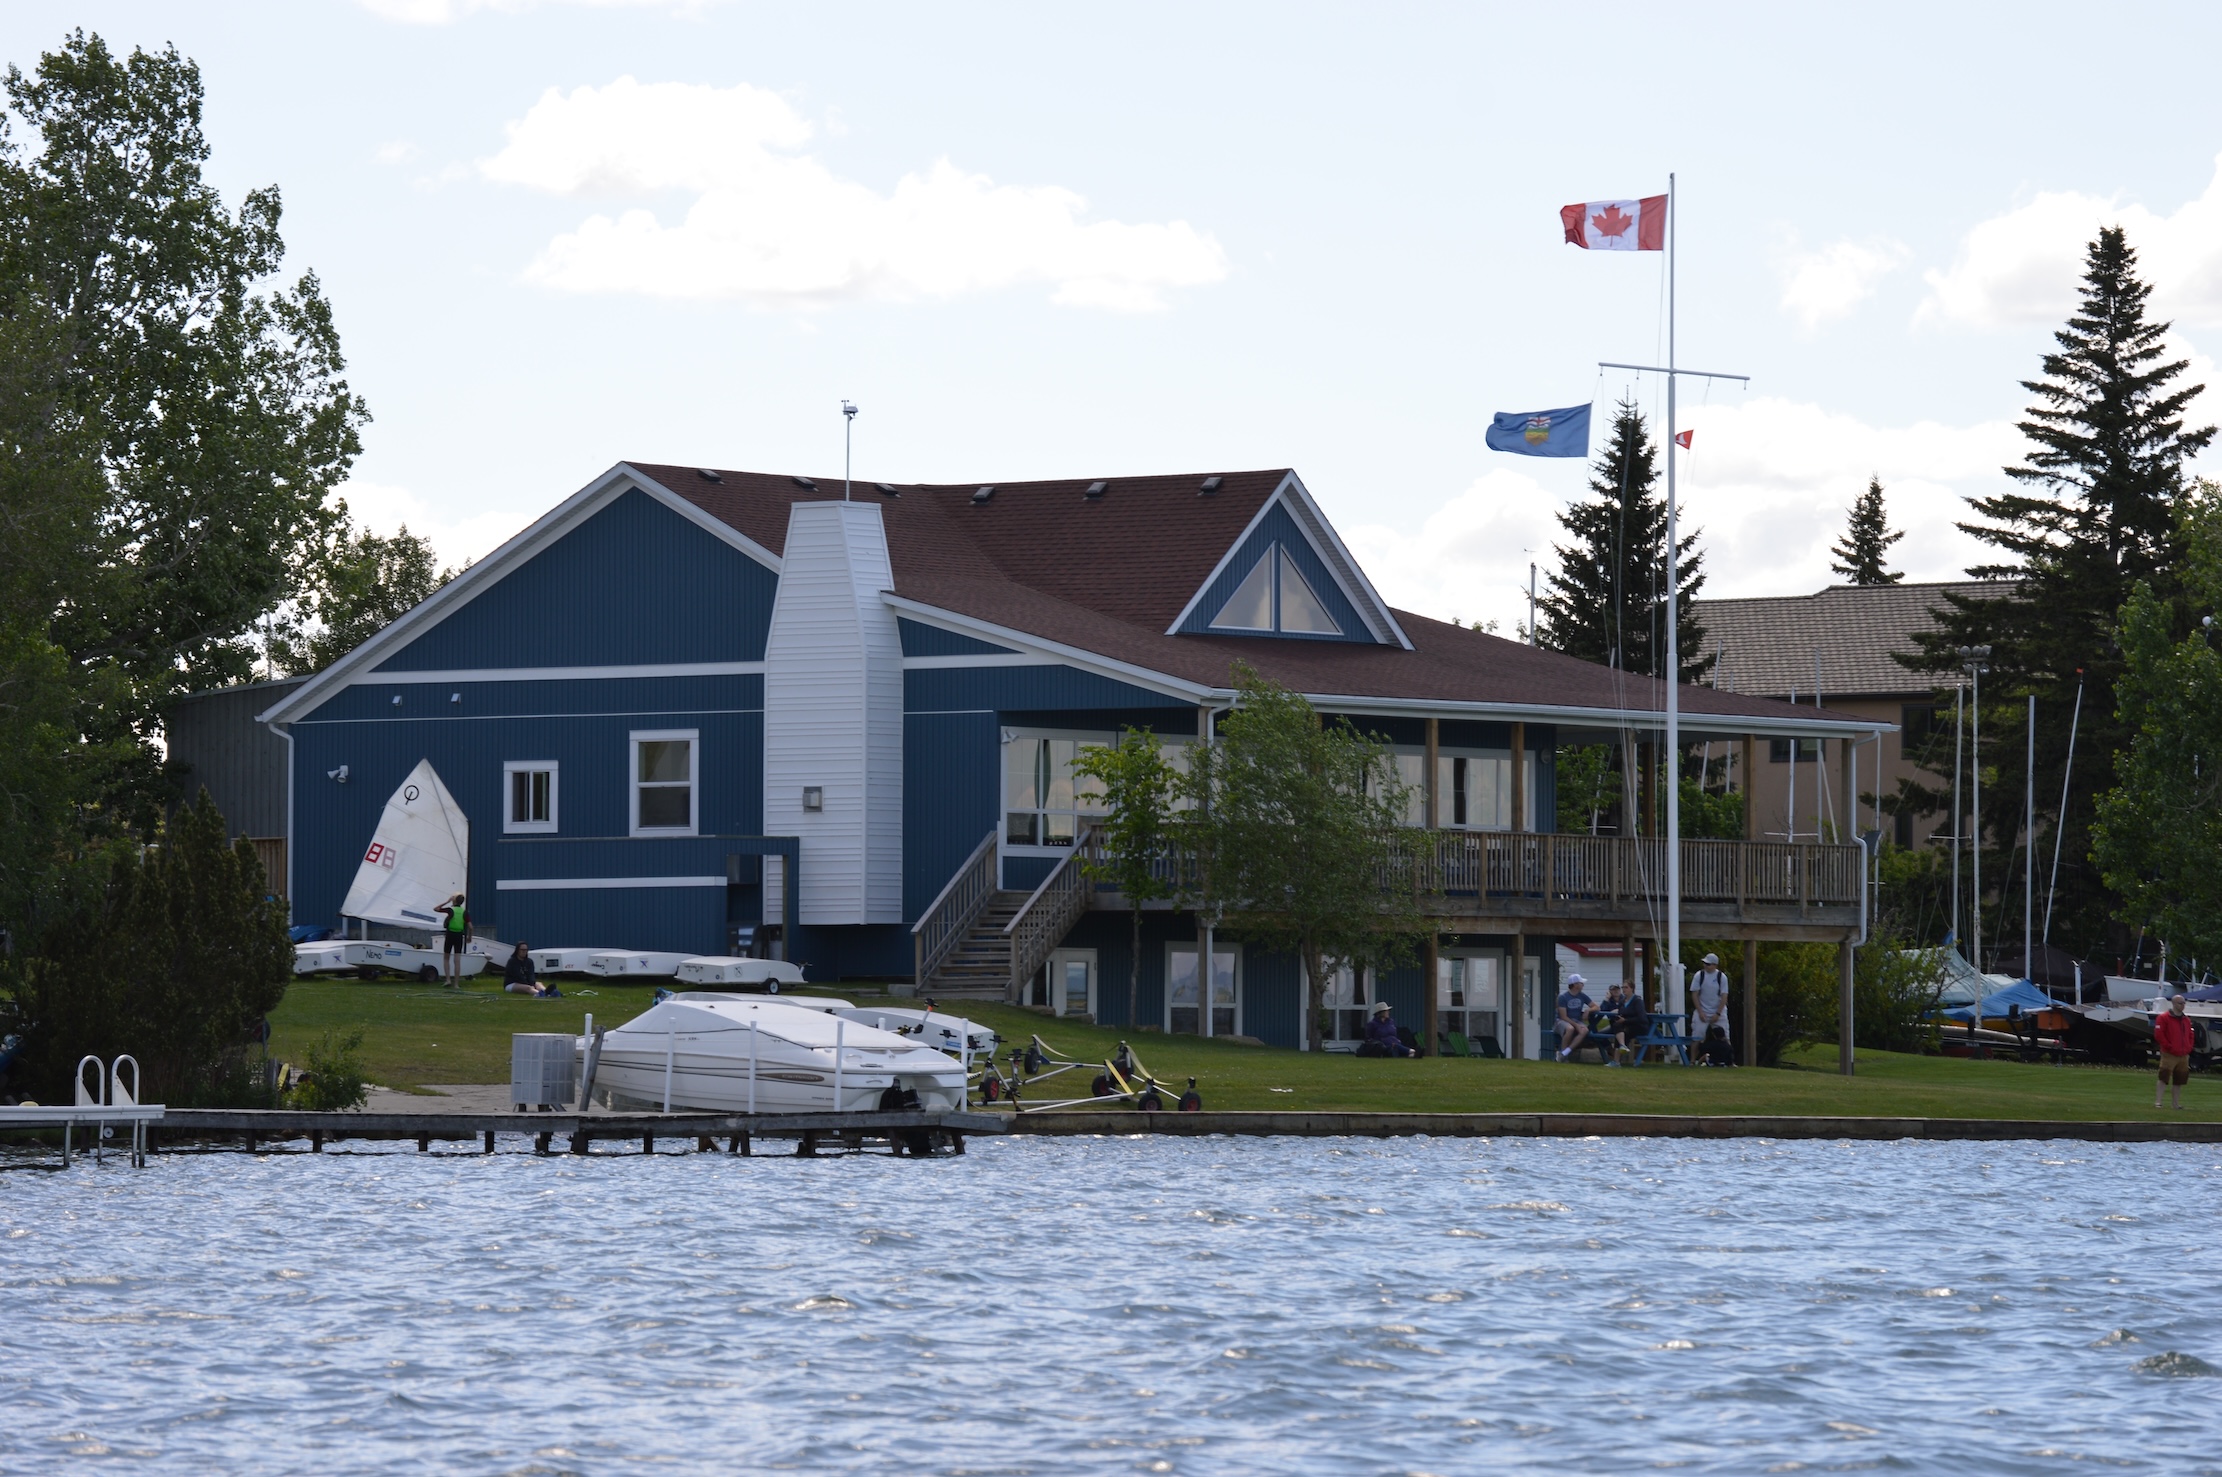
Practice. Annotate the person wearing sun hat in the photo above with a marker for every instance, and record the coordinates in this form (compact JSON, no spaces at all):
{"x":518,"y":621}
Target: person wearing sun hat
{"x":1381,"y":1038}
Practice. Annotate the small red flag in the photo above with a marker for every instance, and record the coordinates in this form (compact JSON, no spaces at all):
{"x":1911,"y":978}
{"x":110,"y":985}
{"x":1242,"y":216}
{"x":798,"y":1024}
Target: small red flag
{"x":1683,"y":440}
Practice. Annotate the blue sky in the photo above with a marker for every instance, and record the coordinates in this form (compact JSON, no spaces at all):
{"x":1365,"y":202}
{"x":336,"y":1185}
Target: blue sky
{"x":1063,"y":242}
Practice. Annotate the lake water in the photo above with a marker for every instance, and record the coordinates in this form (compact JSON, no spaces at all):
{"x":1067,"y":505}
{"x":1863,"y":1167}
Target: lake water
{"x":1123,"y":1305}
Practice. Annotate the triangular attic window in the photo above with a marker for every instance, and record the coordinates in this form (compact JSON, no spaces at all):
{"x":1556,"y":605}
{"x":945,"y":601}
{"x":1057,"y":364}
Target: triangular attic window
{"x":1301,"y":610}
{"x":1250,"y":607}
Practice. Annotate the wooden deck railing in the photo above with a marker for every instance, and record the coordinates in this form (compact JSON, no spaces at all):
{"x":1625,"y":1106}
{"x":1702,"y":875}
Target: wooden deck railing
{"x":1624,"y":869}
{"x":948,"y":916}
{"x":1046,"y":916}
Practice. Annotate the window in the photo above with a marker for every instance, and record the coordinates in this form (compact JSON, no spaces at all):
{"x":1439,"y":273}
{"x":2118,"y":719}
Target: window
{"x":1411,"y":771}
{"x":1226,"y":989}
{"x":1778,"y":750}
{"x":663,"y":783}
{"x":1275,"y":596}
{"x":531,"y":806}
{"x":1072,"y":982}
{"x":1342,"y":1007}
{"x":1916,"y":721}
{"x":1043,"y":801}
{"x":1473,"y":791}
{"x":1466,"y":995}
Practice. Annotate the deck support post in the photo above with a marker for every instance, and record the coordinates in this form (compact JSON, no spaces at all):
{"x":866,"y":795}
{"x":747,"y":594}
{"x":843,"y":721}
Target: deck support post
{"x":578,"y":1141}
{"x":1749,"y":1035}
{"x":540,"y":1143}
{"x":250,"y":1144}
{"x":1628,"y":974}
{"x":704,"y":1144}
{"x":1430,"y":1011}
{"x":808,"y":1147}
{"x":424,"y":1143}
{"x":1844,"y":966}
{"x":316,"y":1141}
{"x":739,"y":1145}
{"x":647,"y":1143}
{"x":489,"y":1141}
{"x":1515,"y":998}
{"x":1751,"y":794}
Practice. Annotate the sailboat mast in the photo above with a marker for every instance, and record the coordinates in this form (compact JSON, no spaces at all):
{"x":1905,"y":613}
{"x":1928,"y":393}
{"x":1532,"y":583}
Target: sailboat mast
{"x":1673,"y":962}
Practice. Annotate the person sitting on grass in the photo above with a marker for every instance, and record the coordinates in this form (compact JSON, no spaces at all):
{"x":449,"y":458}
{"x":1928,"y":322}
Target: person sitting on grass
{"x":1573,"y":1017}
{"x":518,"y":977}
{"x":1715,"y":1050}
{"x":1381,"y":1038}
{"x":1630,"y":1025}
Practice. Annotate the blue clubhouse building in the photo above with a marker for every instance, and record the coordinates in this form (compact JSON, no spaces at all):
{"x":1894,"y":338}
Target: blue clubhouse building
{"x":690,"y":706}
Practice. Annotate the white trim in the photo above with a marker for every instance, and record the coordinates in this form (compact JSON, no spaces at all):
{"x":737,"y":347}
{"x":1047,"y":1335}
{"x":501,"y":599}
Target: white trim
{"x":510,"y":825}
{"x":1086,"y":661}
{"x":1380,"y":621}
{"x":1056,"y":985}
{"x":958,"y":663}
{"x":465,"y":587}
{"x":561,"y":674}
{"x":575,"y":884}
{"x":692,"y":737}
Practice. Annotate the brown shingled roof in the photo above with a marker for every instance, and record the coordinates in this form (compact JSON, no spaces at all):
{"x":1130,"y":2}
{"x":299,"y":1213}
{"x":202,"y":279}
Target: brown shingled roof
{"x":1772,"y":645}
{"x":1109,"y":575}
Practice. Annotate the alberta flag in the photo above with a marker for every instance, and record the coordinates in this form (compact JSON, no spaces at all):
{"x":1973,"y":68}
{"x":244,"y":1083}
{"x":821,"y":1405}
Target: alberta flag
{"x":1616,"y":225}
{"x":1541,"y":432}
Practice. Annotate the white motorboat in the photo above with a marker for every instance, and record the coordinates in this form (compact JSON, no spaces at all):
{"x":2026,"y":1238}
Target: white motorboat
{"x":953,"y":1034}
{"x":824,"y":1003}
{"x":562,"y":961}
{"x":768,"y":975}
{"x":706,"y":1055}
{"x":634,"y":963}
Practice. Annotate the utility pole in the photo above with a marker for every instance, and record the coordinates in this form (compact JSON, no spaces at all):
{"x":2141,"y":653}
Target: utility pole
{"x":2029,"y":842}
{"x":1977,"y":661}
{"x":1959,"y":734}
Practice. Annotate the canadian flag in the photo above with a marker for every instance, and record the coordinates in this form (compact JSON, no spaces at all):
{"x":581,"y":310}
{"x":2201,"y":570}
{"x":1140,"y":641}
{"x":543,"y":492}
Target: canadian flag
{"x":1617,"y":225}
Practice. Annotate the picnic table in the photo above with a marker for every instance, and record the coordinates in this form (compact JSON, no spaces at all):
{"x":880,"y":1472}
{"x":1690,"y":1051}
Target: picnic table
{"x":1665,"y":1033}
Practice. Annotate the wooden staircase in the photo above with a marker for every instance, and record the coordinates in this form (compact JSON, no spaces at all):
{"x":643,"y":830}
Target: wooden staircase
{"x":978,"y":965}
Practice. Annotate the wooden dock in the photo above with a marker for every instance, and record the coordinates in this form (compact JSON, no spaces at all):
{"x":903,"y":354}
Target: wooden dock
{"x":919,"y":1134}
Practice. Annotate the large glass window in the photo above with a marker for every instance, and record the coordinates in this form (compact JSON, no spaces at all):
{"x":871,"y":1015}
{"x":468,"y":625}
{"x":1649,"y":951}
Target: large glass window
{"x":531,"y":798}
{"x":663,"y":782}
{"x":1466,"y":995}
{"x":1474,"y":791}
{"x":1181,"y":992}
{"x":1044,"y":802}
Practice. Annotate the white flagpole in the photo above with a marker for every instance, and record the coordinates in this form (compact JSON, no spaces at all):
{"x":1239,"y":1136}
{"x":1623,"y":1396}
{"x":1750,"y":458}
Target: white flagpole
{"x":1675,"y":1004}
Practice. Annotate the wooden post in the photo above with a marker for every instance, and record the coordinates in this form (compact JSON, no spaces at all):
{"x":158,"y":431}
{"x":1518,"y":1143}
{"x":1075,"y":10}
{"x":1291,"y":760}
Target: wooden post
{"x":1628,"y":955}
{"x":1434,"y":753}
{"x":1844,"y":783}
{"x":316,"y":1141}
{"x":703,"y":1144}
{"x":424,"y":1143}
{"x":1513,"y":997}
{"x":1646,"y":764}
{"x":808,"y":1148}
{"x":739,"y":1145}
{"x":1520,"y":820}
{"x":540,"y":1143}
{"x":1750,"y":1034}
{"x":1751,"y":794}
{"x":647,"y":1143}
{"x":1844,"y":1008}
{"x":578,"y":1141}
{"x":1430,"y":965}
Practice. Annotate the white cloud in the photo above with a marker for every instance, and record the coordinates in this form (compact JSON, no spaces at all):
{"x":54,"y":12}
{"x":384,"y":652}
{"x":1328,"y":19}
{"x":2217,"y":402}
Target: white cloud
{"x":1824,"y":285}
{"x":1767,"y":481}
{"x":456,"y":538}
{"x":2024,"y":266}
{"x":400,"y":151}
{"x":447,"y":12}
{"x":772,"y":226}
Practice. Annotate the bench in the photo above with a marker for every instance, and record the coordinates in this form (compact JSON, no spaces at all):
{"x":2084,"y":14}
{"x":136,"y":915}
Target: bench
{"x":1663,"y":1034}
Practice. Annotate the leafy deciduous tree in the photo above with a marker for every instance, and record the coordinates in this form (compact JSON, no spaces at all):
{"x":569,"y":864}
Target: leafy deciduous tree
{"x":362,"y":585}
{"x":1137,"y":792}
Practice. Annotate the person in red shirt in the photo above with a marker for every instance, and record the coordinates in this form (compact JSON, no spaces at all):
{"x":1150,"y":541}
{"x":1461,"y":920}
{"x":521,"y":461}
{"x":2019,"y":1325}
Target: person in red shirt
{"x":2172,"y":1033}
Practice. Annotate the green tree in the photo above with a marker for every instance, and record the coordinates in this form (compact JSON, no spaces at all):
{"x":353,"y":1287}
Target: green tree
{"x":221,"y":419}
{"x":361,"y":586}
{"x":1867,"y":539}
{"x":2094,"y":515}
{"x":173,"y":954}
{"x":1138,"y":790}
{"x":1297,"y":826}
{"x":1606,"y":601}
{"x":2158,"y":835}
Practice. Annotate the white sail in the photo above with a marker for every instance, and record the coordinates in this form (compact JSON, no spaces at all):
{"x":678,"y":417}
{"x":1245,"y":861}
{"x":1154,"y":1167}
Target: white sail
{"x":419,"y":857}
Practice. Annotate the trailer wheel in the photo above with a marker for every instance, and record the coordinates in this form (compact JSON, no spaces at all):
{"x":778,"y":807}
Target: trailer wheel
{"x":1150,"y":1102}
{"x":991,"y":1090}
{"x":1101,"y":1087}
{"x":428,"y":974}
{"x":1191,"y":1101}
{"x":771,"y":987}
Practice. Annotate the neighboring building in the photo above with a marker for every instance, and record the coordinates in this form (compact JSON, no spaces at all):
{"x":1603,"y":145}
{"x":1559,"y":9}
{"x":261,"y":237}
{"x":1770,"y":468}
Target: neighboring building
{"x":680,"y":679}
{"x":213,"y":742}
{"x":1838,"y":647}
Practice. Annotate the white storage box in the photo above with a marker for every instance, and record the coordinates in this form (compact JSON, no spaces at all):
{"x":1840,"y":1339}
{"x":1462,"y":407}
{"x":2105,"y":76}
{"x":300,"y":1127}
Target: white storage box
{"x":562,"y":961}
{"x":541,"y":1069}
{"x":633,"y":963}
{"x":769,"y":975}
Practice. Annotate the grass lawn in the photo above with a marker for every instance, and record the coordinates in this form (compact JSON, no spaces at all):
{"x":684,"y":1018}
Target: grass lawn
{"x":414,"y":1034}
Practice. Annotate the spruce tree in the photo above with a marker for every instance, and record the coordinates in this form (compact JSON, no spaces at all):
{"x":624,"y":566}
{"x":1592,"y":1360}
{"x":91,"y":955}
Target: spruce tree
{"x":1867,"y":540}
{"x":1606,"y":601}
{"x":2094,"y":515}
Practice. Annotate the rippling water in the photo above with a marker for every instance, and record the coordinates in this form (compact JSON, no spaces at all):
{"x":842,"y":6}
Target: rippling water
{"x":1123,"y":1305}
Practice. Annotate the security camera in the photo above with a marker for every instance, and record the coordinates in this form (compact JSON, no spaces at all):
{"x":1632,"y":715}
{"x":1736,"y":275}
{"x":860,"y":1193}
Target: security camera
{"x":339,"y":774}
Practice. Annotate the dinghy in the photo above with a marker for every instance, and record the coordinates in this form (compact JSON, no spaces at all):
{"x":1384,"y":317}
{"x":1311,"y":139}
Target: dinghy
{"x":768,"y":975}
{"x":419,"y":857}
{"x":634,"y":963}
{"x":754,"y":1054}
{"x":953,"y":1034}
{"x":563,"y":961}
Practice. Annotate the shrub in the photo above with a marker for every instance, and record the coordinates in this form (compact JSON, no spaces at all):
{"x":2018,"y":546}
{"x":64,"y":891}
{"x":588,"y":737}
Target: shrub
{"x":333,"y":1081}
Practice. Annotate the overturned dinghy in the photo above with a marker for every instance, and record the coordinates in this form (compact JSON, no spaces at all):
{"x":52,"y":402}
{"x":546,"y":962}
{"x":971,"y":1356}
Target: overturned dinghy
{"x":765,"y":1056}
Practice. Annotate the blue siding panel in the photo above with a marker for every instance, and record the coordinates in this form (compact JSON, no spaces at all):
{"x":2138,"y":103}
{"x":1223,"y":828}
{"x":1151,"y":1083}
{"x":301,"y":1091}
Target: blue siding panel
{"x":634,"y":584}
{"x":952,"y":796}
{"x":425,"y":702}
{"x":920,"y":639}
{"x":1000,"y":689}
{"x":689,"y":920}
{"x":1273,"y":998}
{"x":1278,"y":527}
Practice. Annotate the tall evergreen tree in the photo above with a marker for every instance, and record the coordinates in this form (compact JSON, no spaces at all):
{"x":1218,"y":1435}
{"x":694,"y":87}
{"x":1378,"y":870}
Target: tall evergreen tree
{"x":1867,"y":540}
{"x":2094,"y":515}
{"x":1606,"y":601}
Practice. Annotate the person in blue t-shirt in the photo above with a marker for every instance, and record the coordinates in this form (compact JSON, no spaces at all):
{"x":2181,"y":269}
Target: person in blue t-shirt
{"x":1574,"y":1007}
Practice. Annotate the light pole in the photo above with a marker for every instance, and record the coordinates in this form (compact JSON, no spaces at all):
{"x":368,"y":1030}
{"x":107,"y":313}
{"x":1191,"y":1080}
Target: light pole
{"x":1976,"y":659}
{"x":848,"y":425}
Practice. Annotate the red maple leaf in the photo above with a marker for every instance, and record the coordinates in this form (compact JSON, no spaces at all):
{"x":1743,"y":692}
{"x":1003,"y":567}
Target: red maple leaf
{"x":1612,"y":222}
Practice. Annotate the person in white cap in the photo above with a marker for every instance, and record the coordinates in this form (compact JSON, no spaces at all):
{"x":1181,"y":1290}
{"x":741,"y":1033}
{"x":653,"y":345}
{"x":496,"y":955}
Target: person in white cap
{"x":1709,"y":1001}
{"x":1574,"y":1007}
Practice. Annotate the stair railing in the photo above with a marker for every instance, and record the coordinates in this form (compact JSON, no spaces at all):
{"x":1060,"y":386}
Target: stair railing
{"x":1051,"y":910}
{"x":951,"y":915}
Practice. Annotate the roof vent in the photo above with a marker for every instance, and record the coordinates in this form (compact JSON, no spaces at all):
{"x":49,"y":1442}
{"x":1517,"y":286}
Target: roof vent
{"x":1211,"y":484}
{"x":1097,"y":489}
{"x":983,"y":494}
{"x":804,"y":483}
{"x":707,"y":475}
{"x":889,"y":488}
